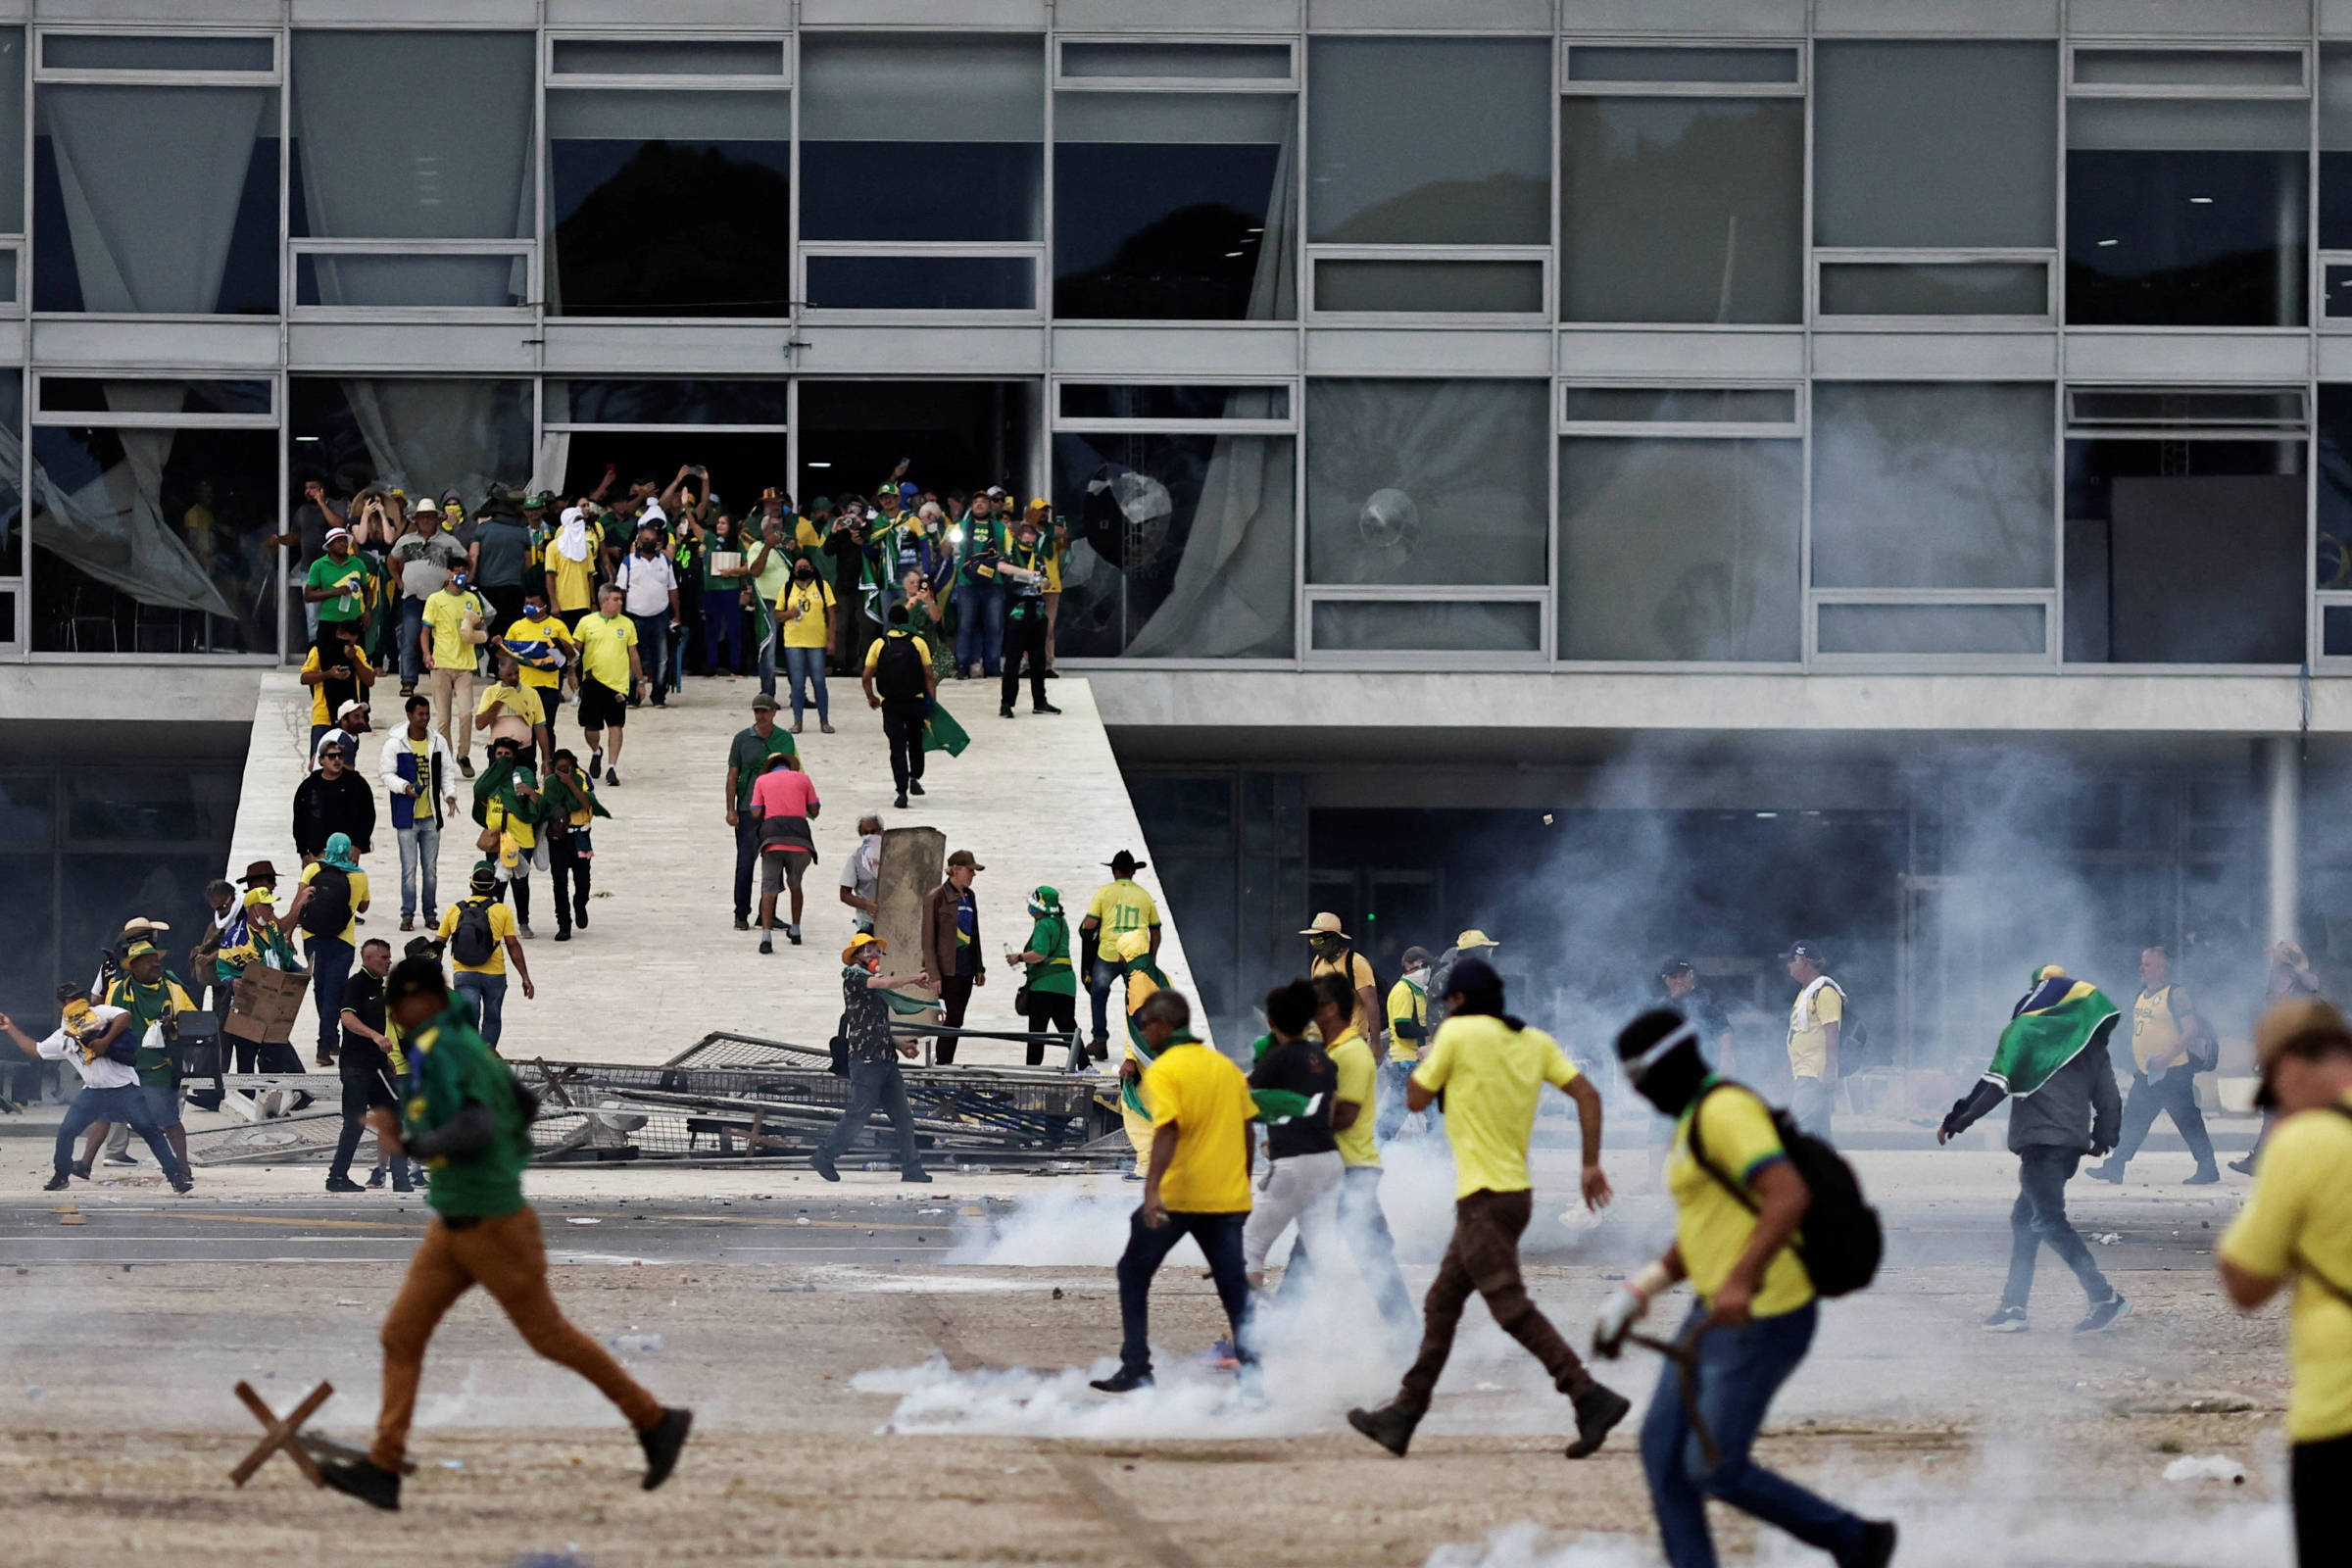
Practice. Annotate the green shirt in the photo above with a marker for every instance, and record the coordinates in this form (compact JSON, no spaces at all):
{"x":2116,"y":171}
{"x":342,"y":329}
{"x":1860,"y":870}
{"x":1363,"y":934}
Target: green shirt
{"x":748,"y":756}
{"x":449,"y":1065}
{"x":350,"y":573}
{"x":146,"y":1005}
{"x":1051,"y":974}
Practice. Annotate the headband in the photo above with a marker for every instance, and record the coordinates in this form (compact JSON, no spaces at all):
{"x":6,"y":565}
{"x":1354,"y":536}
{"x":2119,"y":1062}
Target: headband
{"x":1649,"y":1058}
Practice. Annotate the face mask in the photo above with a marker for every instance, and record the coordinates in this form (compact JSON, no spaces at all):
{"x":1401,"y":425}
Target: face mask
{"x":803,"y":576}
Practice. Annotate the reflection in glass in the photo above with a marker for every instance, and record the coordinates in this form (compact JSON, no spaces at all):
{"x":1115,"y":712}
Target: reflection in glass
{"x":1681,"y":208}
{"x":665,"y":402}
{"x":1933,"y":485}
{"x":1425,"y":288}
{"x":428,"y":436}
{"x":922,"y":282}
{"x":1935,"y":288}
{"x":2336,"y":160}
{"x":1679,"y":549}
{"x":1175,"y":206}
{"x":938,"y":137}
{"x":1105,"y":400}
{"x":1427,"y":481}
{"x":1933,"y":629}
{"x":2187,"y":213}
{"x":401,"y":282}
{"x":1935,"y":145}
{"x":2333,"y":433}
{"x":1429,"y":141}
{"x":12,"y":135}
{"x":2184,"y":552}
{"x":1364,"y":626}
{"x":1180,"y":544}
{"x":12,"y":470}
{"x":669,"y":203}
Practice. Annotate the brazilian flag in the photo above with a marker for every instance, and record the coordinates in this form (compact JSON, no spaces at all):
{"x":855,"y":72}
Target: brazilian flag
{"x":2049,"y":1027}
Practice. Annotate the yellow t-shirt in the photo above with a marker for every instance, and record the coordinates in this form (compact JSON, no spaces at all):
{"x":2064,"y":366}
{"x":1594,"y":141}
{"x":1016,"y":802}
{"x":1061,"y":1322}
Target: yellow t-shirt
{"x":873,"y":651}
{"x":1492,"y":1078}
{"x":550,"y":630}
{"x":811,"y":599}
{"x":1407,"y":1003}
{"x":574,"y":580}
{"x":1353,"y":1057}
{"x":1123,"y":906}
{"x":520,"y":700}
{"x":310,"y":666}
{"x":605,"y":643}
{"x":445,"y":614}
{"x":359,"y":896}
{"x":1359,"y":979}
{"x":2299,"y":1221}
{"x":2157,"y":1045}
{"x":1208,"y":1100}
{"x":1808,"y":1036}
{"x":1710,"y":1225}
{"x":502,"y":926}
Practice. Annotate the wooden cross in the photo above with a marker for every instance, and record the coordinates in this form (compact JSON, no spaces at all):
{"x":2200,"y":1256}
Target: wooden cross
{"x":285,"y":1435}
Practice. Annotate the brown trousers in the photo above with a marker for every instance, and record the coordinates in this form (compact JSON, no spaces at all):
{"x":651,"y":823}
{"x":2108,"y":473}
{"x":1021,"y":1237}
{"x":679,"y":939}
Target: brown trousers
{"x":1484,"y":1256}
{"x":507,"y":1257}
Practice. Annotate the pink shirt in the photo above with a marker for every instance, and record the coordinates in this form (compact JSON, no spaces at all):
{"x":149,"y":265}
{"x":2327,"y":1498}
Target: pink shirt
{"x":783,"y":792}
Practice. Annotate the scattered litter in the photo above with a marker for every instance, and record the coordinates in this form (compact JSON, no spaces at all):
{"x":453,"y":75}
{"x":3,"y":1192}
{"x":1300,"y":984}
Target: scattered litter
{"x":1490,"y":1388}
{"x":637,"y":1344}
{"x":453,"y":1464}
{"x":2107,"y":1240}
{"x":2206,"y":1467}
{"x":801,"y":1221}
{"x":581,"y":1219}
{"x":345,"y":1300}
{"x":1057,"y":1293}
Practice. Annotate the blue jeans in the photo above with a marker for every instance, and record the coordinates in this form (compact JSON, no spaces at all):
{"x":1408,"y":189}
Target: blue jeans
{"x":412,"y":651}
{"x":806,"y":665}
{"x":1101,"y":976}
{"x":420,"y":859}
{"x":128,"y":1106}
{"x":1221,"y":1239}
{"x":979,"y":626}
{"x":1366,"y":1229}
{"x":767,"y":657}
{"x":1388,"y":1118}
{"x":1738,"y":1371}
{"x":489,"y":994}
{"x":331,"y":971}
{"x":652,"y":652}
{"x":722,"y":628}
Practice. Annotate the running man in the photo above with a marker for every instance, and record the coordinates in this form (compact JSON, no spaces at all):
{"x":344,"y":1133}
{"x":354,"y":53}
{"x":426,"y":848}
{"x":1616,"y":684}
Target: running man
{"x":1755,"y":1306}
{"x":470,"y":1122}
{"x":1492,"y":1068}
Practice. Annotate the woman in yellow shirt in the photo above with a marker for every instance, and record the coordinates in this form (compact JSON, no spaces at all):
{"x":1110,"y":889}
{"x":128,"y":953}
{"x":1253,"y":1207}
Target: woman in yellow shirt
{"x":804,"y":608}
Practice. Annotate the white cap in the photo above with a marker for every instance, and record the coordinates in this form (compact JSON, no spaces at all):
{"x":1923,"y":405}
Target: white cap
{"x":426,"y":504}
{"x":349,"y":709}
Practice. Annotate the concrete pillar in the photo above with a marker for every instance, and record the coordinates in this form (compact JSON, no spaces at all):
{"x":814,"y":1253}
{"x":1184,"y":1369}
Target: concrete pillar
{"x":2282,"y":773}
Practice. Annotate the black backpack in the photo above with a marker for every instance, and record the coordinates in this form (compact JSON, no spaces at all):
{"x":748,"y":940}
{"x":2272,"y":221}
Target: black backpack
{"x":1840,"y":1241}
{"x":898,"y":670}
{"x":471,"y":942}
{"x":328,"y":908}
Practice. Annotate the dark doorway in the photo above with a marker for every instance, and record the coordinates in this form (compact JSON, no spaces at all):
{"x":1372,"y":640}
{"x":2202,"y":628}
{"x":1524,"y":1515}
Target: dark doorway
{"x":741,"y":465}
{"x":958,"y":435}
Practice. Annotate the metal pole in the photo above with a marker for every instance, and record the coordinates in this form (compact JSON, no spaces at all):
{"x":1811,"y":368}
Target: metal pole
{"x":2284,"y":765}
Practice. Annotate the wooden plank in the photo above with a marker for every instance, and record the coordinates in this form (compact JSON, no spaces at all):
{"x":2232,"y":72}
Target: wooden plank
{"x":281,"y":1435}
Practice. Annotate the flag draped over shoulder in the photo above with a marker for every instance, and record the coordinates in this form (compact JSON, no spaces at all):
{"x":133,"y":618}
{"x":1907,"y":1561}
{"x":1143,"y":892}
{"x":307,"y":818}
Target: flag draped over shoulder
{"x":2048,"y":1028}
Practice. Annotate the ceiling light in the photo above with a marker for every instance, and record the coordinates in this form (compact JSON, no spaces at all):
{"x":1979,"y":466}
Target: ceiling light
{"x":2201,"y":201}
{"x":813,"y":464}
{"x":1233,"y":252}
{"x":2103,"y":244}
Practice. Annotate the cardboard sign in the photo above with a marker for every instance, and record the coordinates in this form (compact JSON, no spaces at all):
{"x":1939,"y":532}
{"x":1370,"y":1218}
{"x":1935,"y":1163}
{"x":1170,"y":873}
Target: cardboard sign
{"x":262,"y":1005}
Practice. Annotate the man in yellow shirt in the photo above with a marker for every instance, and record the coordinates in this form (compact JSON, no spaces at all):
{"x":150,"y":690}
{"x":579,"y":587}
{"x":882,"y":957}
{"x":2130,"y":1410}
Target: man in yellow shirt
{"x":450,"y":639}
{"x":611,"y":672}
{"x":1118,"y":906}
{"x":478,"y":933}
{"x":2298,"y":1225}
{"x":1336,"y":954}
{"x":2169,"y":1046}
{"x":1197,"y":1186}
{"x":1816,"y":1025}
{"x":1409,"y":1026}
{"x":1491,"y":1067}
{"x":1756,"y":1313}
{"x":543,"y":647}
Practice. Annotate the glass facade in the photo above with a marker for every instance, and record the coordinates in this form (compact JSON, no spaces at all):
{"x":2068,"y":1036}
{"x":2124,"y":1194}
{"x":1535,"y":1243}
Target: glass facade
{"x":1456,"y":348}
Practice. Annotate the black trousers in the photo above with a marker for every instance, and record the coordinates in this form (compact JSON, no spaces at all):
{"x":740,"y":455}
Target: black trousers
{"x":1025,"y":639}
{"x":2038,"y":1217}
{"x":2173,"y":1092}
{"x":363,"y":1092}
{"x":570,"y":876}
{"x":2320,"y":1475}
{"x":1050,"y":1013}
{"x":955,"y":997}
{"x":279,"y":1057}
{"x":875,"y":1086}
{"x":903,"y":721}
{"x":746,"y":860}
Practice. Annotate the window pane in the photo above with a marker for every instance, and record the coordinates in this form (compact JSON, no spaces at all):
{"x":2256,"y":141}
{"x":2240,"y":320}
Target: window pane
{"x":1932,"y":486}
{"x":1935,"y":145}
{"x":2191,"y":68}
{"x":929,"y":137}
{"x":662,"y":401}
{"x":2187,"y":213}
{"x":1180,"y":546}
{"x":84,"y":394}
{"x":154,"y":540}
{"x":1693,"y":405}
{"x":2336,"y":148}
{"x":1935,"y":288}
{"x":115,"y":51}
{"x":139,"y":206}
{"x":715,"y":166}
{"x":655,"y":56}
{"x":2184,"y":552}
{"x":2333,"y":431}
{"x":1681,"y":208}
{"x":12,"y":489}
{"x":1090,"y":400}
{"x":26,"y":810}
{"x":1398,"y":157}
{"x":1432,"y":286}
{"x":922,"y":282}
{"x":1427,"y":481}
{"x":1231,"y":61}
{"x":166,"y":805}
{"x":1930,"y":629}
{"x":1175,"y":206}
{"x":1388,"y":626}
{"x":2179,"y":406}
{"x":28,"y":924}
{"x":1680,"y":550}
{"x":386,"y":282}
{"x":1603,"y":62}
{"x":412,"y":175}
{"x":12,"y":132}
{"x":2335,"y":631}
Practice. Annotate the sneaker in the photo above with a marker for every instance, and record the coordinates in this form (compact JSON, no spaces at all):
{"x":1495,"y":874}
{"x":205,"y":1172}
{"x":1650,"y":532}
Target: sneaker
{"x":1121,"y":1382}
{"x":408,"y":922}
{"x":2109,"y":1172}
{"x":365,"y":1480}
{"x":526,"y":933}
{"x":1044,"y":708}
{"x":596,"y":761}
{"x":465,"y":766}
{"x":661,"y":1441}
{"x":901,"y":802}
{"x":2105,"y":1314}
{"x":767,"y":941}
{"x":914,"y":786}
{"x":743,"y":922}
{"x":823,"y":1167}
{"x":343,"y":1184}
{"x":2205,"y":1176}
{"x":792,"y":934}
{"x":375,"y":1177}
{"x":1878,"y":1547}
{"x":124,"y":1158}
{"x":917,"y":1174}
{"x":2007,"y":1321}
{"x":1597,"y":1409}
{"x":183,"y":1186}
{"x":57,"y":1183}
{"x":81,"y":1168}
{"x":1391,"y":1426}
{"x":2244,"y":1167}
{"x":612,"y":775}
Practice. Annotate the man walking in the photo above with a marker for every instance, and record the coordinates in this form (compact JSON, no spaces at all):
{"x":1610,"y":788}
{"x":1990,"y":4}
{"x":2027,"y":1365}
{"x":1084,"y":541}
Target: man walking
{"x":325,"y":909}
{"x":334,"y":800}
{"x":2298,"y":1225}
{"x":898,"y":681}
{"x":451,"y":639}
{"x":541,"y":645}
{"x":422,"y":560}
{"x":875,"y":1081}
{"x":2169,"y":1046}
{"x":1119,"y":905}
{"x":99,"y":1043}
{"x":785,"y":803}
{"x":2052,"y":1064}
{"x":419,"y":778}
{"x":1472,"y":942}
{"x":370,"y":1063}
{"x":649,"y":587}
{"x":478,"y":932}
{"x":155,"y":1000}
{"x":1023,"y":575}
{"x":1816,"y":1026}
{"x":611,"y":672}
{"x":1053,"y":984}
{"x":860,"y":871}
{"x":469,"y":1119}
{"x":746,"y":761}
{"x":1293,"y":1085}
{"x":952,"y":952}
{"x":1755,"y":1318}
{"x":1492,"y":1068}
{"x":1407,"y":1014}
{"x":1336,"y":954}
{"x":1361,"y":1224}
{"x":1197,"y":1184}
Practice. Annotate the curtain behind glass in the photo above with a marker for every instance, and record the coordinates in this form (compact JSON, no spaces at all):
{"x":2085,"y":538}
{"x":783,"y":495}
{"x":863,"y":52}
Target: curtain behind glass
{"x":1427,"y":482}
{"x":432,"y":437}
{"x":1233,"y":595}
{"x":113,"y":526}
{"x":152,"y":178}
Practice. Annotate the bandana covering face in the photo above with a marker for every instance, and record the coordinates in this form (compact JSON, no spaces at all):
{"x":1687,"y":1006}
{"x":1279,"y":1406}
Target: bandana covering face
{"x":571,"y":538}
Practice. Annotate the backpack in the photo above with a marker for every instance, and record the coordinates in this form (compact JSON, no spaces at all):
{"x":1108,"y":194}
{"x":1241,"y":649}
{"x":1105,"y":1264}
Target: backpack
{"x":898,"y":670}
{"x":471,"y":942}
{"x":1840,"y":1241}
{"x":328,"y":910}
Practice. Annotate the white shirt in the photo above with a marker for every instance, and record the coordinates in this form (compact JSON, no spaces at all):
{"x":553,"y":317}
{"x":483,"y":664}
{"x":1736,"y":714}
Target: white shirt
{"x":103,"y":1073}
{"x":858,"y":871}
{"x":646,"y":584}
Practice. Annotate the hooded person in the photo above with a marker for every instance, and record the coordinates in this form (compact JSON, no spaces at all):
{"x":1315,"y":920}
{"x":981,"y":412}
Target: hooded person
{"x":1049,"y":997}
{"x":1755,"y":1318}
{"x":1144,"y":976}
{"x":1471,"y":944}
{"x":2051,"y":1065}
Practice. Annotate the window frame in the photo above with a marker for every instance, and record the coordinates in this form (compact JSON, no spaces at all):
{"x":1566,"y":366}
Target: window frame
{"x":1570,"y":87}
{"x":667,"y":82}
{"x":149,"y":76}
{"x":1319,"y":315}
{"x":1059,"y":80}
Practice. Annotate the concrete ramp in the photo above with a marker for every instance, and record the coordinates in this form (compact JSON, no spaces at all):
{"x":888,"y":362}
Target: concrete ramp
{"x":1037,"y":799}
